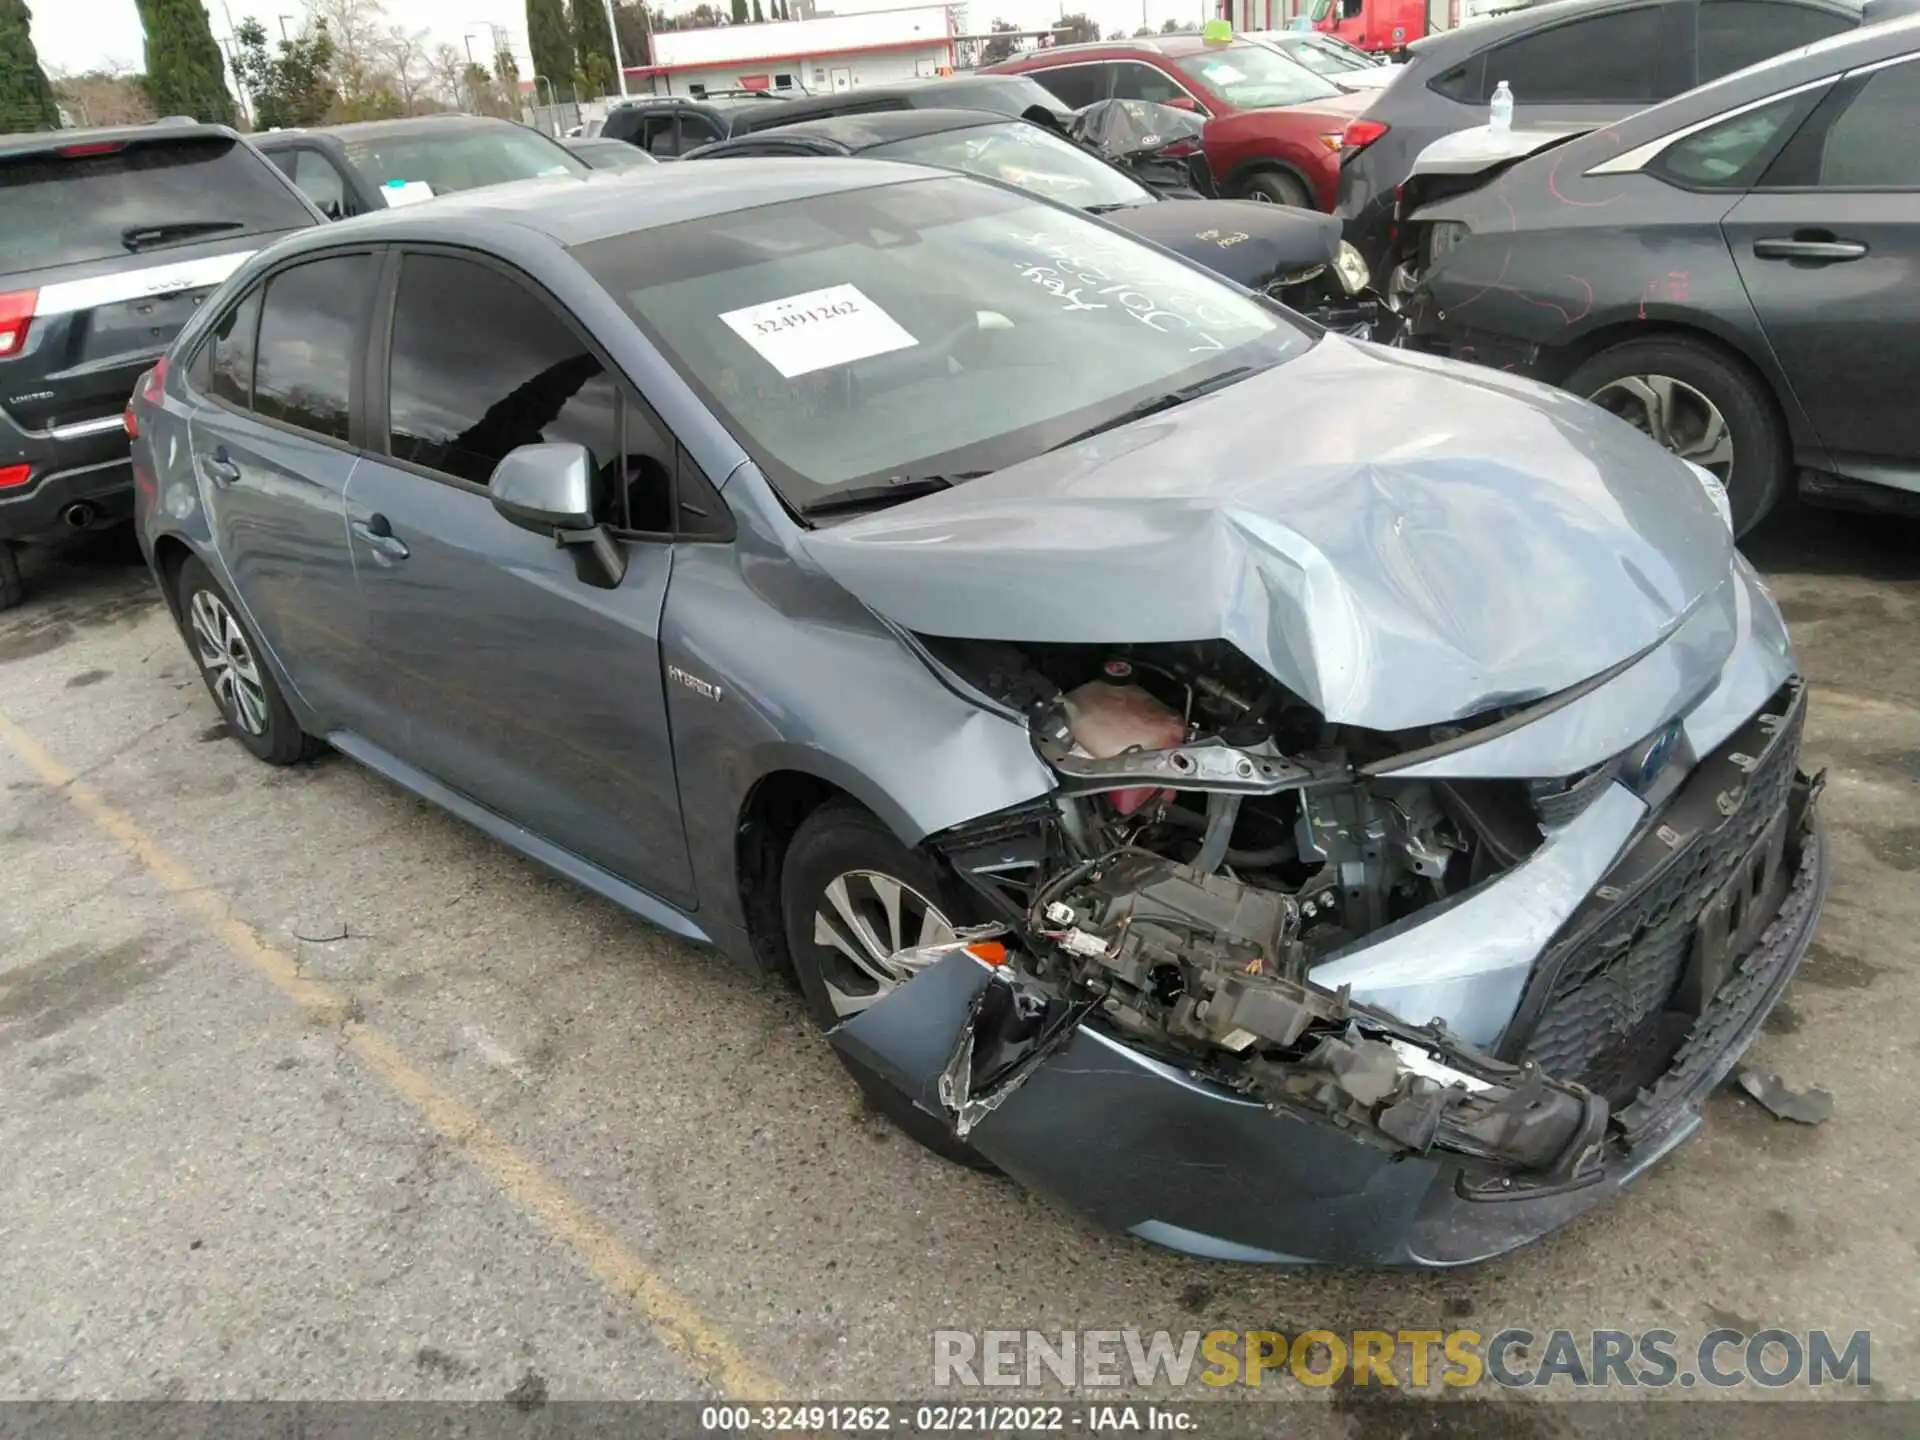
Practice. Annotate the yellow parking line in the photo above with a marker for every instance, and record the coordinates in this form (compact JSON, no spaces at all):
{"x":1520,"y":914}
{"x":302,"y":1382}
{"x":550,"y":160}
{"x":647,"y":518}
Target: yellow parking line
{"x":680,"y":1326}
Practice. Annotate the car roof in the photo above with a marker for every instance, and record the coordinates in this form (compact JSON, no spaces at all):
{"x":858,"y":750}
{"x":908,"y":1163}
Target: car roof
{"x":709,"y":102}
{"x":914,"y":92}
{"x":37,"y":141}
{"x":384,"y":129}
{"x":1172,"y":46}
{"x":881,"y":127}
{"x":608,"y":203}
{"x":1446,"y":46}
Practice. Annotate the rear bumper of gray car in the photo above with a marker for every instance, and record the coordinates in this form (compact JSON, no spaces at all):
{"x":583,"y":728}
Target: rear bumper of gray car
{"x":1143,"y":1147}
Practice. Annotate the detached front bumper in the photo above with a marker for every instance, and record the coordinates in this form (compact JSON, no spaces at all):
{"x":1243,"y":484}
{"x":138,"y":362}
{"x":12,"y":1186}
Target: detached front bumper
{"x":1144,"y":1148}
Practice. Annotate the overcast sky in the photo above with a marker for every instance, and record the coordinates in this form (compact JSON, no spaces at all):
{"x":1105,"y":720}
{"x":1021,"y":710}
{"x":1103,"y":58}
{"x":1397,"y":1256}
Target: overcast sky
{"x":88,"y":34}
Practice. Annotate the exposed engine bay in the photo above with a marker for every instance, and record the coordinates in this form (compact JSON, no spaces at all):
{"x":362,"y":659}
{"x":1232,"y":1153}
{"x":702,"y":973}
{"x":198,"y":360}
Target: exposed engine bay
{"x":1213,"y":839}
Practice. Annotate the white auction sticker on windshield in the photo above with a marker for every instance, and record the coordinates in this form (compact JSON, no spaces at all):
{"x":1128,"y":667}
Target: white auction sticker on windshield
{"x":817,"y":330}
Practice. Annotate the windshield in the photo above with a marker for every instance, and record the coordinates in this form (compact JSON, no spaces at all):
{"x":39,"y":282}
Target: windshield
{"x":1321,"y":59}
{"x":1023,"y":155}
{"x":462,"y":158}
{"x":59,"y":209}
{"x":1252,"y":77}
{"x":929,"y":327}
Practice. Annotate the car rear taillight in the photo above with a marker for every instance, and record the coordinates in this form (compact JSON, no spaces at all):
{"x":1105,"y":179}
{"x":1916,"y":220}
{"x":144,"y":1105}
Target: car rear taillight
{"x":16,"y":314}
{"x":12,"y":477}
{"x":1359,"y":134}
{"x":151,"y":387}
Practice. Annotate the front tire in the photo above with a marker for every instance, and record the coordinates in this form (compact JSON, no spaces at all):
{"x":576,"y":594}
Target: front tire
{"x":1271,"y":187}
{"x":238,"y":678}
{"x":1701,"y":406}
{"x":850,"y":896}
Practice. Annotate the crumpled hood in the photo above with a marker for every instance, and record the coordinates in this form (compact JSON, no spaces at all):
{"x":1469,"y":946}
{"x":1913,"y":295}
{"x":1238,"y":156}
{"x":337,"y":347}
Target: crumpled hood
{"x":1399,"y":540}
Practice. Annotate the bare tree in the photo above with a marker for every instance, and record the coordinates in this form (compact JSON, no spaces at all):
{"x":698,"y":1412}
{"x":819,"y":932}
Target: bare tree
{"x":446,"y":68}
{"x":360,"y":35}
{"x":102,"y":97}
{"x":410,"y":72}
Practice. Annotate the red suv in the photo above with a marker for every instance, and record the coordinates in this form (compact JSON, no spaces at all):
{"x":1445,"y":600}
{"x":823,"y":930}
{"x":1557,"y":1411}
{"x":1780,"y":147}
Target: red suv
{"x":1273,"y":128}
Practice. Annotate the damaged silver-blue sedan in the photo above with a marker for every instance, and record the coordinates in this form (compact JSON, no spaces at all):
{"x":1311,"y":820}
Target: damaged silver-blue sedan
{"x":1290,"y":800}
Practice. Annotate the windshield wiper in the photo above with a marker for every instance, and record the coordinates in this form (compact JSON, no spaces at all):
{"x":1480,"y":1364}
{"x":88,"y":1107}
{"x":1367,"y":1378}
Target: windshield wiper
{"x":901,"y":487}
{"x":1107,"y":207}
{"x":138,"y":237}
{"x":1154,"y":404}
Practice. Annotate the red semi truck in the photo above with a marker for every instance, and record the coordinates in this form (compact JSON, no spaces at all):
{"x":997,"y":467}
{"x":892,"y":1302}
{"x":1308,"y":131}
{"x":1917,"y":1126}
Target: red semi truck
{"x":1382,"y":26}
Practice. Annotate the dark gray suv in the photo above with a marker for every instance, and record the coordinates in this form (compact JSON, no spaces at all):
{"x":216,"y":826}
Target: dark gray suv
{"x":109,"y":241}
{"x":1575,"y":63}
{"x":1369,"y":848}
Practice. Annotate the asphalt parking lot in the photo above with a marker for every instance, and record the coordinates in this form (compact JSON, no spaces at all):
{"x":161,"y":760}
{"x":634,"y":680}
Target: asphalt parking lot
{"x":312,"y":1092}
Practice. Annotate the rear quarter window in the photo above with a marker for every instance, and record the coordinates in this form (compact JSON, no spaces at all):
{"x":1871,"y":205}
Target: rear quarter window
{"x":1734,"y":34}
{"x":67,"y":209}
{"x":1603,"y":58}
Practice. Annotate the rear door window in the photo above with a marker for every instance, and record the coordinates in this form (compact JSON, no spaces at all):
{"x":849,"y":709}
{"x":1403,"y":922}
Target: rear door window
{"x":1076,"y":86}
{"x":321,"y":182}
{"x":68,"y":207}
{"x":1737,"y":33}
{"x":1605,"y":58}
{"x":1135,"y":81}
{"x":303,"y":367}
{"x":696,"y":130}
{"x":659,"y":134}
{"x":1870,"y":144}
{"x":230,"y":353}
{"x":480,"y":365}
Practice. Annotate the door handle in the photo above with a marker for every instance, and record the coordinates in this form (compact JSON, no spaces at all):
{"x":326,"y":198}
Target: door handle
{"x":377,"y":532}
{"x":1818,"y":245}
{"x":219,"y":467}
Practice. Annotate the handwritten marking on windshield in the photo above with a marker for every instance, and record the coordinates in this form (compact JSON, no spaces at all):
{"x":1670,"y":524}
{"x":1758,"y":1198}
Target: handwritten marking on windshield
{"x":1074,"y":274}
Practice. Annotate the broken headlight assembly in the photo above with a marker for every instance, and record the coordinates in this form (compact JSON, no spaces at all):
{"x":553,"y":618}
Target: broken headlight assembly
{"x":1211,"y":840}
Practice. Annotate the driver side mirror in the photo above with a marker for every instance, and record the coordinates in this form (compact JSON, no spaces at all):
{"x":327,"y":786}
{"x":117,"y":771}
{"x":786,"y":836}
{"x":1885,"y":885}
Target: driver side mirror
{"x":1184,"y":102}
{"x":548,"y":489}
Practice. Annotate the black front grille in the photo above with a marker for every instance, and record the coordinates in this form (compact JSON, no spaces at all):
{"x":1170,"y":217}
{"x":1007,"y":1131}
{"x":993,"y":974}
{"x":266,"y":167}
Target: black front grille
{"x":1605,"y":1021}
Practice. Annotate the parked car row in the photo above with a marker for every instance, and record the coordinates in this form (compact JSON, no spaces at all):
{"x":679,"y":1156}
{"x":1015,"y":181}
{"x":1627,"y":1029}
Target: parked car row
{"x":862,"y":544}
{"x":122,"y":234}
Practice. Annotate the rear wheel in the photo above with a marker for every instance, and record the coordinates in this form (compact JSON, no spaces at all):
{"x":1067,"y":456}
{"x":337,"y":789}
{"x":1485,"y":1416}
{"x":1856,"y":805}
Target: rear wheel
{"x":230,"y":662}
{"x":852,"y":897}
{"x":1271,"y":187}
{"x":12,"y":588}
{"x":1703,"y":407}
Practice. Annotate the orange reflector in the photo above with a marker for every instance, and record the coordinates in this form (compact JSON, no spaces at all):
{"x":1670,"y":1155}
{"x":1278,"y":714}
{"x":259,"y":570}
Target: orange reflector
{"x":990,"y":952}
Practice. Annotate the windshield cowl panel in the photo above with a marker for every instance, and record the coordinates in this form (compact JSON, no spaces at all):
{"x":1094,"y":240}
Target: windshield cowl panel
{"x":937,"y":327}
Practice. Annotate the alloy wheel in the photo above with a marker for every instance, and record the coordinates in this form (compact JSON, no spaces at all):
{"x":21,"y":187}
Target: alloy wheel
{"x":863,"y":921}
{"x":1676,"y":416}
{"x":228,"y":661}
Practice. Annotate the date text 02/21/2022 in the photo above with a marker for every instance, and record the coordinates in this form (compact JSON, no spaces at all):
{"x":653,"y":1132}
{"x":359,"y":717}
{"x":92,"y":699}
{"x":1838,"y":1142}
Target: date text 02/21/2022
{"x":944,"y":1419}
